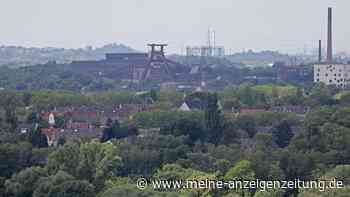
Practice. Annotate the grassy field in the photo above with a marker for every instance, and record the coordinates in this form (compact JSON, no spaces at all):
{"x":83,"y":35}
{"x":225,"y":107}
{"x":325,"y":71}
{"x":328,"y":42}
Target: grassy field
{"x":273,"y":89}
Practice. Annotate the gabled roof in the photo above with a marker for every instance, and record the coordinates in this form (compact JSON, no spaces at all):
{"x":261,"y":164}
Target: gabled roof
{"x":184,"y":107}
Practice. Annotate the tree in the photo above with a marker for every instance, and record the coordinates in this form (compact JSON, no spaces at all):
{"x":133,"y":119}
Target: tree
{"x":127,"y":187}
{"x":47,"y":183}
{"x":59,"y":122}
{"x":98,"y":162}
{"x":13,"y":158}
{"x":320,"y":95}
{"x":339,"y":173}
{"x":172,"y":172}
{"x":263,"y":158}
{"x":61,"y":141}
{"x":247,"y":124}
{"x":24,"y":183}
{"x":230,"y":133}
{"x":282,"y":134}
{"x":74,"y":189}
{"x":154,"y":95}
{"x":143,"y":155}
{"x":117,"y":131}
{"x":37,"y":139}
{"x":270,"y":193}
{"x":296,"y":165}
{"x":313,"y":123}
{"x":65,"y":158}
{"x":242,"y":171}
{"x":213,"y":118}
{"x":95,"y":162}
{"x":32,"y":118}
{"x":222,"y":166}
{"x":63,"y":184}
{"x":344,"y":99}
{"x":342,"y":117}
{"x":109,"y":132}
{"x":246,"y":95}
{"x":186,"y":126}
{"x":10,"y":101}
{"x":299,"y":96}
{"x":336,"y":142}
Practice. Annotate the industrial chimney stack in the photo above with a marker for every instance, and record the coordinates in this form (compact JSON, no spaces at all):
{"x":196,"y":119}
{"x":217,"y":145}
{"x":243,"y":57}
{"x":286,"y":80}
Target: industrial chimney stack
{"x":319,"y":51}
{"x":329,"y":39}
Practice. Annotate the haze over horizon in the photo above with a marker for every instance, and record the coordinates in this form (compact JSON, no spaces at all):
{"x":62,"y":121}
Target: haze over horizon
{"x":286,"y":26}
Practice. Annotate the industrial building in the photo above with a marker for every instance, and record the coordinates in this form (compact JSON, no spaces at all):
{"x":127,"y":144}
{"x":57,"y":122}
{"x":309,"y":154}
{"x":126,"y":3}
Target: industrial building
{"x":330,"y":72}
{"x":134,"y":67}
{"x":205,"y":51}
{"x":209,"y":50}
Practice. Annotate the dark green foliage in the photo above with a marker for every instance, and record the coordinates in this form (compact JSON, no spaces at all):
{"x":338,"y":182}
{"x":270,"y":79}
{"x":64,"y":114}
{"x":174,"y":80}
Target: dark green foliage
{"x":61,"y":141}
{"x":13,"y":158}
{"x":154,"y":95}
{"x":60,"y":122}
{"x":72,"y":189}
{"x":296,"y":165}
{"x":247,"y":124}
{"x":9,"y":101}
{"x":32,"y":118}
{"x":321,"y":95}
{"x":146,"y":154}
{"x":282,"y":134}
{"x":213,"y":119}
{"x":212,"y":113}
{"x":94,"y":162}
{"x":109,"y":132}
{"x":116,"y":131}
{"x":264,"y":160}
{"x":37,"y":139}
{"x":186,"y":127}
{"x":130,"y":190}
{"x":24,"y":183}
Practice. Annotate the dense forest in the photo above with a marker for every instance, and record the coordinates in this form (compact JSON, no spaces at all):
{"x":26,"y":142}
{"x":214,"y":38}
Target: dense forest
{"x":164,"y":143}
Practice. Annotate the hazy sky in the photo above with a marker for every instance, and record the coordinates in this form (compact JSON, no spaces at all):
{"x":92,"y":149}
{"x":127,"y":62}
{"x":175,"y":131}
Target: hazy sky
{"x":287,"y":25}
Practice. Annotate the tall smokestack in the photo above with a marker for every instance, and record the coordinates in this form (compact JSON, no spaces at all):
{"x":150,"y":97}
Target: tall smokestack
{"x":329,"y":39}
{"x":319,"y":51}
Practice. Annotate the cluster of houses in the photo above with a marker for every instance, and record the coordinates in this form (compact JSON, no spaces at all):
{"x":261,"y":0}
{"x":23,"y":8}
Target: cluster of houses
{"x":84,"y":122}
{"x":88,"y":122}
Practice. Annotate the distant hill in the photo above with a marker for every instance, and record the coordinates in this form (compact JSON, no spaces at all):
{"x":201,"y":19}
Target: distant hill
{"x":17,"y":56}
